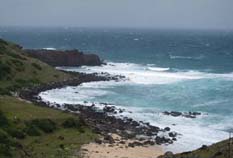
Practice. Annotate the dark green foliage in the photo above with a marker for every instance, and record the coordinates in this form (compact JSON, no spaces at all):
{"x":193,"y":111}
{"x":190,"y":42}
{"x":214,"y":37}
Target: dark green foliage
{"x":16,"y":133}
{"x":17,"y":56}
{"x":5,"y":144}
{"x":3,"y":42}
{"x":17,"y":62}
{"x":71,"y":123}
{"x":5,"y":70}
{"x":32,"y":130}
{"x":5,"y":151}
{"x":46,"y":125}
{"x":37,"y":66}
{"x":3,"y":120}
{"x":2,"y":49}
{"x":4,"y":92}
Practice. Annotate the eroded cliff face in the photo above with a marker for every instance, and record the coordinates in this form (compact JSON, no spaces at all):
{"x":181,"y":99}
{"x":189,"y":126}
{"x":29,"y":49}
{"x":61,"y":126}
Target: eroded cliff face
{"x":65,"y":58}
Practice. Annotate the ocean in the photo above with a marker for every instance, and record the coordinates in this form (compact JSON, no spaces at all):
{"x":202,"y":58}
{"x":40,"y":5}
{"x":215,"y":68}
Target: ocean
{"x":165,"y":70}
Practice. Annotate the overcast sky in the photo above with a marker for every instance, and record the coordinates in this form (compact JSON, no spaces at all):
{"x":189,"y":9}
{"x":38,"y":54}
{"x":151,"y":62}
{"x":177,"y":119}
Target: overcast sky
{"x":197,"y":14}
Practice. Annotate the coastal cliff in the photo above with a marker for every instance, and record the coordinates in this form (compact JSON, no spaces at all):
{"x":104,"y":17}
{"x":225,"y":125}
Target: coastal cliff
{"x":65,"y":58}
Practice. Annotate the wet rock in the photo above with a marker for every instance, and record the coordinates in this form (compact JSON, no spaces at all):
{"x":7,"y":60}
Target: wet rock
{"x":185,"y":114}
{"x":172,"y":134}
{"x":169,"y":154}
{"x":167,"y":129}
{"x":110,"y":109}
{"x":71,"y":107}
{"x":175,"y":113}
{"x":149,"y":142}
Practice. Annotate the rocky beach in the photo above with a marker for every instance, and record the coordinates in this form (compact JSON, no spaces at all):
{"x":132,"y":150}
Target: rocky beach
{"x":131,"y":134}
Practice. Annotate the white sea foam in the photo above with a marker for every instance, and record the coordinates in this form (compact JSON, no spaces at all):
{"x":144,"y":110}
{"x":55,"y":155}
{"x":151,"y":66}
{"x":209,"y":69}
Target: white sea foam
{"x":158,"y":69}
{"x":186,"y":57}
{"x":149,"y":74}
{"x":194,"y":132}
{"x":49,"y":48}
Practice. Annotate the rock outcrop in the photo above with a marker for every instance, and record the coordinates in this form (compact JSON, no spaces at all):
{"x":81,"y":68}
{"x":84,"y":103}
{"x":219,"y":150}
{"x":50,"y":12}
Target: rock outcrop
{"x":65,"y":58}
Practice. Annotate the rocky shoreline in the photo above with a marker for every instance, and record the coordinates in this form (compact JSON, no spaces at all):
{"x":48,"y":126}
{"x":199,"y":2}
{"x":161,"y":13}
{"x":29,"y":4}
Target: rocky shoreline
{"x":103,"y":121}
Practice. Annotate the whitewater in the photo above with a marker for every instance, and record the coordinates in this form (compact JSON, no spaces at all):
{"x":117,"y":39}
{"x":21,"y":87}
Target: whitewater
{"x":146,"y":92}
{"x":165,"y":70}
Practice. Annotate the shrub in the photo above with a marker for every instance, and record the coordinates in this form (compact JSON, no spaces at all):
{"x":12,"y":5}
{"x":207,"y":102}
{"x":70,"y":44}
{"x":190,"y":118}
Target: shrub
{"x":4,"y":92}
{"x":3,"y":42}
{"x":17,"y":56}
{"x":17,"y":62}
{"x":5,"y":151}
{"x":4,"y":70}
{"x":6,"y":144}
{"x":31,"y":130}
{"x":37,"y":66}
{"x":16,"y":133}
{"x":71,"y":123}
{"x":4,"y":138}
{"x":3,"y":120}
{"x":46,"y":125}
{"x":74,"y":123}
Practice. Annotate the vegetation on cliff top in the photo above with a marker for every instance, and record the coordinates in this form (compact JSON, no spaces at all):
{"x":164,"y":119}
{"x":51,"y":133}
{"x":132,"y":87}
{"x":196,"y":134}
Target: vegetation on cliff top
{"x":18,"y":70}
{"x":27,"y":130}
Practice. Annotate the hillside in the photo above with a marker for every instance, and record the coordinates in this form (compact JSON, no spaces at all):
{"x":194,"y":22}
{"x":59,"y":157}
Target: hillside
{"x":19,"y":70}
{"x":28,"y":130}
{"x":218,"y":150}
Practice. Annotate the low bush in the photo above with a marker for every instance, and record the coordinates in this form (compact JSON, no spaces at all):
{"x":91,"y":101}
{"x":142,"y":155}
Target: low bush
{"x":17,"y":62}
{"x":17,"y":56}
{"x":37,"y":66}
{"x":4,"y":138}
{"x":5,"y":70}
{"x":31,"y":130}
{"x":3,"y":120}
{"x":46,"y":125}
{"x":4,"y":92}
{"x":74,"y":123}
{"x":71,"y":123}
{"x":16,"y":133}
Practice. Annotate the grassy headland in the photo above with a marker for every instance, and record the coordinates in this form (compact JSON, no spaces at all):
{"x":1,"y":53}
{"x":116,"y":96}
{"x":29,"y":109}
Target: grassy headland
{"x":27,"y":130}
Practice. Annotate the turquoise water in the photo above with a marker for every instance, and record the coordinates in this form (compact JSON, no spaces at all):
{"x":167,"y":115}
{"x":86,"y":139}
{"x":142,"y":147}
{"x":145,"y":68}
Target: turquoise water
{"x":165,"y":70}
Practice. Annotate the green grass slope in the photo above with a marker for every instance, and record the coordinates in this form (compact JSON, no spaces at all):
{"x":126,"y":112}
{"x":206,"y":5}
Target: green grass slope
{"x":31,"y":131}
{"x":27,"y":130}
{"x":18,"y":70}
{"x":221,"y":149}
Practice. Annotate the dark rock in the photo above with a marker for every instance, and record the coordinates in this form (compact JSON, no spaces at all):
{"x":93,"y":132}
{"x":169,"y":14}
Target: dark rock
{"x":98,"y":141}
{"x":131,"y":145}
{"x":149,"y":142}
{"x":187,"y":115}
{"x":172,"y":134}
{"x":204,"y":147}
{"x":109,"y":139}
{"x":61,"y":138}
{"x":175,"y":113}
{"x":168,"y":155}
{"x":65,"y":58}
{"x":110,"y":109}
{"x":167,"y":129}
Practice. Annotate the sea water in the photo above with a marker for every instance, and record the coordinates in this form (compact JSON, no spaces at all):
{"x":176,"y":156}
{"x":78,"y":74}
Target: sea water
{"x":165,"y":70}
